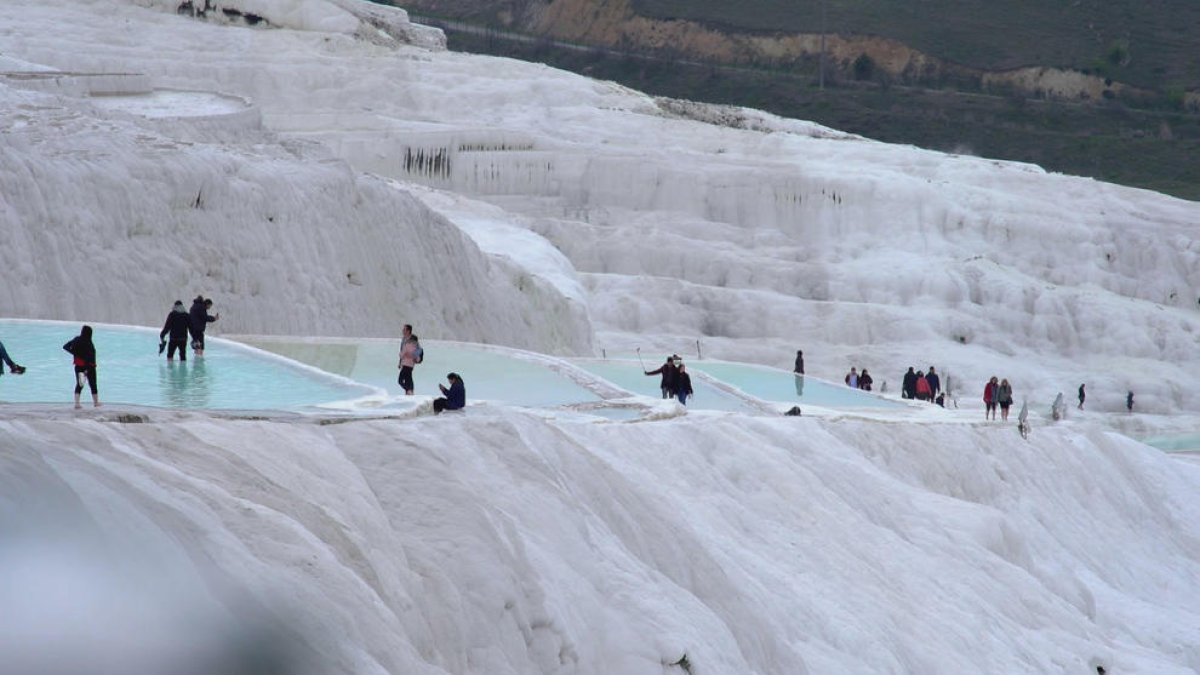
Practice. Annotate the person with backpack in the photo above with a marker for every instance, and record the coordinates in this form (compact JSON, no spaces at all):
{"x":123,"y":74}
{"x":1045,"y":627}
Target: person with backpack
{"x":921,"y":388}
{"x":12,"y":367}
{"x":683,"y":384}
{"x":454,"y":398}
{"x":408,"y":358}
{"x":84,"y":352}
{"x":670,"y":373}
{"x":1004,"y":398}
{"x":178,"y":325}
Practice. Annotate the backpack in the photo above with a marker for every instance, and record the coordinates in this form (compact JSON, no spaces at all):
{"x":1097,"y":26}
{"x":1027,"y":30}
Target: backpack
{"x":419,"y":355}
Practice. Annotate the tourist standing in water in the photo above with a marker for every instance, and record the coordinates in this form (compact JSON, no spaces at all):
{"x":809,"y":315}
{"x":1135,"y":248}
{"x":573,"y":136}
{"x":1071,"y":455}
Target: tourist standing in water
{"x":175,"y":331}
{"x":683,"y":384}
{"x":84,"y":351}
{"x":12,"y":367}
{"x":798,"y":372}
{"x":199,"y":319}
{"x":670,"y":375}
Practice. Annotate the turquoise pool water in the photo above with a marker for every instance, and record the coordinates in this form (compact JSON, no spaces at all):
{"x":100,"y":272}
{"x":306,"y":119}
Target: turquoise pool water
{"x":1175,"y":442}
{"x":488,"y":375}
{"x":130,"y":370}
{"x":771,"y":384}
{"x":629,"y":376}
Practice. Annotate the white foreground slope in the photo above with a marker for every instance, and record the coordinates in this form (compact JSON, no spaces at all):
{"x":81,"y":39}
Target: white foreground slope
{"x":501,"y":542}
{"x":753,"y":234}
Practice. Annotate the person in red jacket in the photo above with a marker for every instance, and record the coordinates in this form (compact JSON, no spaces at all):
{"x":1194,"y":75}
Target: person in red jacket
{"x":991,"y":396}
{"x":921,"y":386}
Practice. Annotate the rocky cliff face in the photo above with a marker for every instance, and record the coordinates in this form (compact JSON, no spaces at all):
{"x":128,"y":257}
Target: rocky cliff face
{"x":615,"y":24}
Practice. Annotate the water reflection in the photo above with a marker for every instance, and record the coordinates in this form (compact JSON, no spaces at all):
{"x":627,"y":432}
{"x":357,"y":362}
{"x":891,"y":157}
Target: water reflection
{"x":185,"y":384}
{"x":799,"y":385}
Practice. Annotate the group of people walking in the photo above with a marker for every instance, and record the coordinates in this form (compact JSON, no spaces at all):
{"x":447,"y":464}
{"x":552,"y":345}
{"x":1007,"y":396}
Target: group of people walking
{"x":676,"y":382}
{"x":857,"y":380}
{"x":182,"y":323}
{"x":997,"y":394}
{"x":923,"y":386}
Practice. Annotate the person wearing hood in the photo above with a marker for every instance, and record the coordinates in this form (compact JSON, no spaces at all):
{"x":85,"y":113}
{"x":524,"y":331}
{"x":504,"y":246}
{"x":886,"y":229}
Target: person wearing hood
{"x":199,"y":319}
{"x":177,"y":326}
{"x":84,"y":352}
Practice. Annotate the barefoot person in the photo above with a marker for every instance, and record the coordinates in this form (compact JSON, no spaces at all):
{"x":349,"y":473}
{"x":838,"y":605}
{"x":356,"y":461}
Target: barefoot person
{"x":84,"y":351}
{"x":4,"y":358}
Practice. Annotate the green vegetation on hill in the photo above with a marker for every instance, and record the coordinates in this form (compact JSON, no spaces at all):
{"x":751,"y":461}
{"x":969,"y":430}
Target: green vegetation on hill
{"x":1148,"y":43}
{"x":1148,"y":148}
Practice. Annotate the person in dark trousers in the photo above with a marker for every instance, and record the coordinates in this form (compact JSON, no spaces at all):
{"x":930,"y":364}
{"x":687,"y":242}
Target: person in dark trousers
{"x":454,"y":398}
{"x":1004,"y":398}
{"x":683,"y":384}
{"x":798,"y":372}
{"x":1129,"y":401}
{"x":12,"y":367}
{"x":921,"y":388}
{"x":408,"y":359}
{"x":84,"y":353}
{"x":935,"y":383}
{"x":200,"y":319}
{"x":670,"y":373}
{"x":175,"y":330}
{"x":909,"y":388}
{"x":865,"y":380}
{"x":1082,"y":396}
{"x":991,"y":396}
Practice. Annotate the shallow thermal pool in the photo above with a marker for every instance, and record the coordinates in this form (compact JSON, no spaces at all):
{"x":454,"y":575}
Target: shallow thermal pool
{"x":629,"y":376}
{"x":1175,"y":442}
{"x":130,"y":370}
{"x":772,"y":384}
{"x":491,"y":375}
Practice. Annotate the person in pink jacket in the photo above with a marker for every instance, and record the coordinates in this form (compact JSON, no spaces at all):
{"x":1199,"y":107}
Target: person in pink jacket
{"x":408,"y":359}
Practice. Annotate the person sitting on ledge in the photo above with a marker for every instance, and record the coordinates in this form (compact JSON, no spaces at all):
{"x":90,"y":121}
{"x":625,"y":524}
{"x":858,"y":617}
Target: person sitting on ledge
{"x":455,"y":398}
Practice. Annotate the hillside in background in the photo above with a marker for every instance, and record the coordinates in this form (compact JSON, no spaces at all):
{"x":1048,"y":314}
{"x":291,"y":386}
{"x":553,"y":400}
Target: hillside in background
{"x":1154,"y":44}
{"x":1108,"y":91}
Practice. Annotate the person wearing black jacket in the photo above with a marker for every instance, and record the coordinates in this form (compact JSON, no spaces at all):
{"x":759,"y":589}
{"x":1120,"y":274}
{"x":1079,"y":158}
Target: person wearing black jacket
{"x":798,"y":373}
{"x":84,"y":351}
{"x":909,"y":388}
{"x":178,"y":325}
{"x":683,"y":384}
{"x":200,"y":319}
{"x":670,"y":374}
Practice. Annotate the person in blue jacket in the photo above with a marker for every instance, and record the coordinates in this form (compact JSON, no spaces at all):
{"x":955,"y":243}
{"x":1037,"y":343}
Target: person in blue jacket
{"x":455,"y":398}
